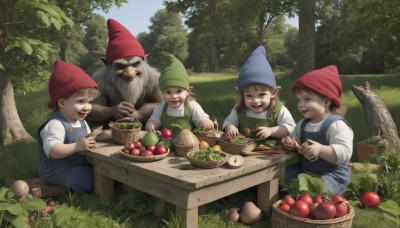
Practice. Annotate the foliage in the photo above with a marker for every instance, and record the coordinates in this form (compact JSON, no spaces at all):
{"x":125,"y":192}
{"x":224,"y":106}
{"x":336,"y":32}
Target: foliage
{"x":15,"y":212}
{"x":167,"y":36}
{"x":305,"y":183}
{"x":378,"y":140}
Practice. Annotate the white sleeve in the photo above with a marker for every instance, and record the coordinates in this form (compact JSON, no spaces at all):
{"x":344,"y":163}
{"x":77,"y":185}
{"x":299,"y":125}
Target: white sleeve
{"x":157,"y":112}
{"x":285,"y":119}
{"x":340,"y":138}
{"x":231,"y":119}
{"x":87,"y":128}
{"x":296,"y":131}
{"x":198,"y":113}
{"x":52,"y":133}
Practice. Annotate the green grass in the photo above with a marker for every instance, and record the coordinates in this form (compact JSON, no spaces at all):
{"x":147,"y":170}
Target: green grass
{"x":216,"y":94}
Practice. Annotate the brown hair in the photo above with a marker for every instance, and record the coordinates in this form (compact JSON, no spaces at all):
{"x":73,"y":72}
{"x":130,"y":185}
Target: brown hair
{"x":332,"y":107}
{"x":241,"y":105}
{"x":91,"y":92}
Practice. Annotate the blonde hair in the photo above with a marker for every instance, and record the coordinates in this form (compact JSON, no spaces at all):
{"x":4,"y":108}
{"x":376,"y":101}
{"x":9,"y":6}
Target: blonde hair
{"x":242,"y":105}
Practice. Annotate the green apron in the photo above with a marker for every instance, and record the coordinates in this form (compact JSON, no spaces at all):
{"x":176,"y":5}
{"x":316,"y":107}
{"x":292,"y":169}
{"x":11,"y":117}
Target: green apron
{"x":246,"y":123}
{"x":184,"y":121}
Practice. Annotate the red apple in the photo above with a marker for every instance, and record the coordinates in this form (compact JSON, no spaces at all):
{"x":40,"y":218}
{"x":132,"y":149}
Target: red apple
{"x":152,"y":148}
{"x":318,"y":199}
{"x":284,"y":207}
{"x":289,"y":199}
{"x":160,"y":149}
{"x":146,"y":153}
{"x":338,"y":199}
{"x":300,"y":209}
{"x":166,"y":133}
{"x":135,"y":152}
{"x":137,"y":144}
{"x":306,"y":198}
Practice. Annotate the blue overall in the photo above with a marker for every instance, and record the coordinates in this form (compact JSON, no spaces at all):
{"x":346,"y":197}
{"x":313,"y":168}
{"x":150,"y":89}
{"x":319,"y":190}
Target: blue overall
{"x":335,"y":177}
{"x":74,"y":171}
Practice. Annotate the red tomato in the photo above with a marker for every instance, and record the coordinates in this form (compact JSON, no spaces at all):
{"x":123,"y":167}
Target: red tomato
{"x":300,"y":209}
{"x":342,"y":209}
{"x":137,"y":145}
{"x":370,"y":199}
{"x":306,"y":198}
{"x":318,"y":199}
{"x":160,"y":149}
{"x":325,"y":210}
{"x":284,"y":207}
{"x":152,"y":148}
{"x":338,"y":199}
{"x":289,"y":199}
{"x":166,"y":133}
{"x":146,"y":153}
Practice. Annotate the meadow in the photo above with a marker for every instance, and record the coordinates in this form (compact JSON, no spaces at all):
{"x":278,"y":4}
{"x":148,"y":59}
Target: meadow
{"x":216,"y":94}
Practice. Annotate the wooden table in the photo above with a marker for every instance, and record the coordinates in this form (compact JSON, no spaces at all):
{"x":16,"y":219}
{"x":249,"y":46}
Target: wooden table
{"x":174,"y":180}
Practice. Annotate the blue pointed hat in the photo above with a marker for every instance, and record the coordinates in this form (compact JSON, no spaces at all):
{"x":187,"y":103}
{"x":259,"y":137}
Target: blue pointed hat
{"x":256,"y":70}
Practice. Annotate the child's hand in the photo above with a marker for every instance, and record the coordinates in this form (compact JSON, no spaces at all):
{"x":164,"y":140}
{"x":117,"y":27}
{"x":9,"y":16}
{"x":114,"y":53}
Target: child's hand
{"x":231,"y":130}
{"x":263,"y":132}
{"x":85,"y":143}
{"x":152,"y":126}
{"x":312,"y":152}
{"x":206,"y":124}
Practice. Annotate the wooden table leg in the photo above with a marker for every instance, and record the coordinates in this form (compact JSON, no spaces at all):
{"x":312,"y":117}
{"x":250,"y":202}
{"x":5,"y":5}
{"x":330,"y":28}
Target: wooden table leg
{"x":103,"y":186}
{"x":188,"y":216}
{"x":267,"y":194}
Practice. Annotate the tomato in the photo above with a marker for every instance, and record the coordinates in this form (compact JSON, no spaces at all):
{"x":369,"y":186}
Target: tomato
{"x":160,"y":149}
{"x":312,"y":210}
{"x":284,"y":207}
{"x":300,"y":209}
{"x":306,"y":198}
{"x":342,"y":209}
{"x":325,"y":210}
{"x":289,"y":199}
{"x":318,"y":199}
{"x":370,"y":199}
{"x":135,"y":152}
{"x":137,"y":145}
{"x":338,"y":199}
{"x":166,"y":133}
{"x":152,"y":148}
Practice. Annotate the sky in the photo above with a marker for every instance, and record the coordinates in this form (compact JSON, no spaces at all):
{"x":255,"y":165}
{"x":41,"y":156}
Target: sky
{"x":135,"y":15}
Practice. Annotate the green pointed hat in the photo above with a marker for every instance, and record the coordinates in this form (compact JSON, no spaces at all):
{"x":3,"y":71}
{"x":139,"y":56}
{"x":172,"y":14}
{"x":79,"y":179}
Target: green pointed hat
{"x":173,"y":74}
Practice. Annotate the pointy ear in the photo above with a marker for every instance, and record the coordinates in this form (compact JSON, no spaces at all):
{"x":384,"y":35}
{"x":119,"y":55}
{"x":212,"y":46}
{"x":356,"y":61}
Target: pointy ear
{"x":276,"y":91}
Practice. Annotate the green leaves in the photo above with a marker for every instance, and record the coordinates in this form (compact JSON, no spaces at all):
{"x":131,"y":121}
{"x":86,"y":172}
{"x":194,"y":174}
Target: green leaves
{"x":305,"y":183}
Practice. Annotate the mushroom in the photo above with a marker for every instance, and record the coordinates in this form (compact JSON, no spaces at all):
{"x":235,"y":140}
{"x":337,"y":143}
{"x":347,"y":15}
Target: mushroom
{"x":20,"y":189}
{"x":235,"y":161}
{"x":233,"y":215}
{"x":250,"y":213}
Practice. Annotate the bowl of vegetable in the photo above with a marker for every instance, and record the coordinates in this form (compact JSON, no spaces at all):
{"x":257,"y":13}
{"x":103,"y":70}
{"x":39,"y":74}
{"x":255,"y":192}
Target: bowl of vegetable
{"x":124,"y":132}
{"x":207,"y":159}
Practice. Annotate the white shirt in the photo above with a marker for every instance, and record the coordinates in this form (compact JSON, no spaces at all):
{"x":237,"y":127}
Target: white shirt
{"x":340,"y":138}
{"x":198,"y":113}
{"x":284,"y":118}
{"x":54,"y":132}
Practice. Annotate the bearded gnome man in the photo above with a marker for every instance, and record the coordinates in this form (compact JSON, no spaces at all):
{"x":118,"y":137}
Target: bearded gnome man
{"x":128,"y":85}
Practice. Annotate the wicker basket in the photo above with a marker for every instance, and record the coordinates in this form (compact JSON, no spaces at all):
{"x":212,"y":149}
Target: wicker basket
{"x":206,"y":164}
{"x":283,"y":219}
{"x":181,"y":151}
{"x":123,"y":136}
{"x":145,"y":159}
{"x":210,"y":137}
{"x":236,"y":148}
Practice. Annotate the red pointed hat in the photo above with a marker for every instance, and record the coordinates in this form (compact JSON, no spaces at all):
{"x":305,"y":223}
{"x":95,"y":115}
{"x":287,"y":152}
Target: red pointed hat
{"x":121,"y":43}
{"x":65,"y":80}
{"x":324,"y":81}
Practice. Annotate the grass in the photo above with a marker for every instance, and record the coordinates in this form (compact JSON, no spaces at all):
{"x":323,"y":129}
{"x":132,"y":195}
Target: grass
{"x":216,"y":94}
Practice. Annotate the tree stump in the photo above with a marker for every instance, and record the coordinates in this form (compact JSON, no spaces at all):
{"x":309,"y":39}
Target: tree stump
{"x":379,"y":120}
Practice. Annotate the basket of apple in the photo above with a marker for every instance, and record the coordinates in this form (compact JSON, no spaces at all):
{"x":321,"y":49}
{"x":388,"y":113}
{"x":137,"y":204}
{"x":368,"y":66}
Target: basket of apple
{"x":152,"y":147}
{"x":319,"y":211}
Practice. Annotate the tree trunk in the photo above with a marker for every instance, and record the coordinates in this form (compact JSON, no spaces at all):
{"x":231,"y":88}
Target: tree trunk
{"x":212,"y":41}
{"x":306,"y":41}
{"x":379,"y":120}
{"x":11,"y":128}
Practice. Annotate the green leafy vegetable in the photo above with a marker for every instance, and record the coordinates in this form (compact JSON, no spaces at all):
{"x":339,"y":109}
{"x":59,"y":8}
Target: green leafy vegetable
{"x":208,"y":155}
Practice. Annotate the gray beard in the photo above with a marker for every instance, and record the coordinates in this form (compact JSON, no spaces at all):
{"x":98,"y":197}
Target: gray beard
{"x":133,"y":90}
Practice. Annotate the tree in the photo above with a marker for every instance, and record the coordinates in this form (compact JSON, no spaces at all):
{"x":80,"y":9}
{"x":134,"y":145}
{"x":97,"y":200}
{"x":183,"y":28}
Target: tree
{"x":23,"y":55}
{"x":306,"y":42}
{"x":166,"y":35}
{"x":28,"y":31}
{"x":96,"y":36}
